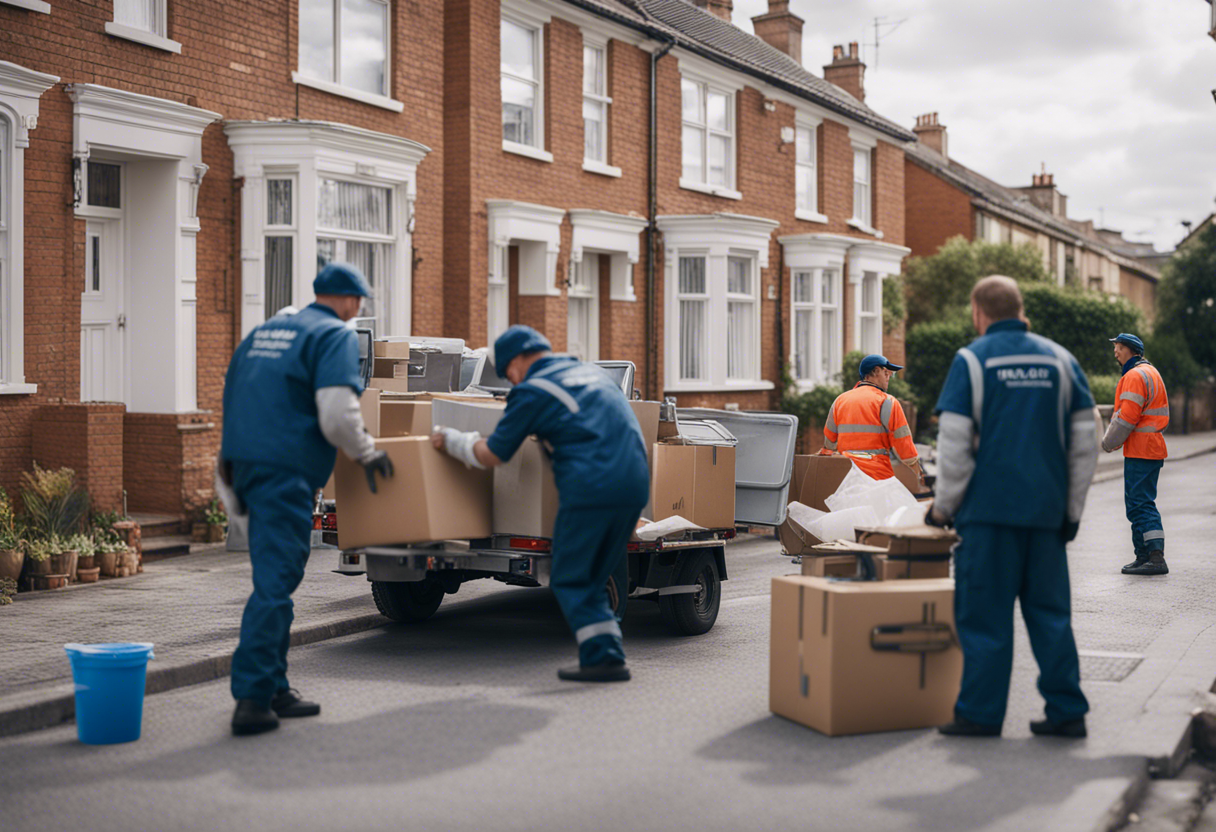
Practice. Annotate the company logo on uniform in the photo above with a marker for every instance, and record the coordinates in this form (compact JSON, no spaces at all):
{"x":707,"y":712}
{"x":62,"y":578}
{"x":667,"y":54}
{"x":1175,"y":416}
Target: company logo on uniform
{"x":270,"y":343}
{"x":1024,"y":376}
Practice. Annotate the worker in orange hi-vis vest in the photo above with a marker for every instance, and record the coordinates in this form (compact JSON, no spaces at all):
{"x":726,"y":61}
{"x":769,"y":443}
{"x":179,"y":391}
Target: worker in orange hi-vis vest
{"x":1142,"y":413}
{"x":869,"y":420}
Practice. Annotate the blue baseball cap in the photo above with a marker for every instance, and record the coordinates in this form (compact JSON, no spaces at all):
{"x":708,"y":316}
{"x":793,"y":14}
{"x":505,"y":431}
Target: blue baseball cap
{"x":341,"y":279}
{"x":870,"y":362}
{"x":1129,"y":340}
{"x":516,"y":341}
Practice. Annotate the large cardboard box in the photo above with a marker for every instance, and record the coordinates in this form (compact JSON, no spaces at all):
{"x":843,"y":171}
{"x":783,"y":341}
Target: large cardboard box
{"x":816,"y":477}
{"x":369,"y":405}
{"x":647,"y":414}
{"x":696,"y":482}
{"x":912,"y":541}
{"x":429,"y":497}
{"x":889,"y":569}
{"x":525,"y":493}
{"x":829,"y":566}
{"x":405,"y":418}
{"x":849,"y":657}
{"x":391,"y":349}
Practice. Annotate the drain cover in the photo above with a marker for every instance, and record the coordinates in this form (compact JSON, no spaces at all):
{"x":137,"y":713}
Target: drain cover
{"x":1099,"y":666}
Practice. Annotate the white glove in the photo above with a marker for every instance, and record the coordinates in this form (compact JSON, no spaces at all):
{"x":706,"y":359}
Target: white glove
{"x":459,"y":445}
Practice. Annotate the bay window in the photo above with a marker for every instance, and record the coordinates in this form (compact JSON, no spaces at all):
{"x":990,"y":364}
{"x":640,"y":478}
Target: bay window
{"x":280,"y":243}
{"x":816,"y":324}
{"x":344,"y":48}
{"x":742,"y":319}
{"x":694,"y":305}
{"x":354,"y":225}
{"x":708,"y":137}
{"x":869,"y":313}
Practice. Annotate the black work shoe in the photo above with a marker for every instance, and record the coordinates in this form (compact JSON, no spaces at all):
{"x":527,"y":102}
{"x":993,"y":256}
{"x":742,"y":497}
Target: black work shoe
{"x":963,"y":727}
{"x":595,"y":673}
{"x":1154,"y":564}
{"x":1073,"y":729}
{"x":288,"y":704}
{"x":251,"y":718}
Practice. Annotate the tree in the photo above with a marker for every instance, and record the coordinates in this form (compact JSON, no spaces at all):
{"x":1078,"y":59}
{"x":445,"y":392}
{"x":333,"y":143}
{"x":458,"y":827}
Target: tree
{"x":940,"y":285}
{"x":1081,"y":321}
{"x":1186,"y":301}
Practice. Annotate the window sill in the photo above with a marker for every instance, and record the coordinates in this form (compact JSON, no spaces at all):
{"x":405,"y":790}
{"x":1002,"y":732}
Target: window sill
{"x":18,"y":389}
{"x":592,"y":166}
{"x":118,"y":30}
{"x":382,"y":101}
{"x":33,"y":6}
{"x":525,"y":150}
{"x":810,"y":216}
{"x":709,"y":387}
{"x":712,"y":190}
{"x":863,"y":228}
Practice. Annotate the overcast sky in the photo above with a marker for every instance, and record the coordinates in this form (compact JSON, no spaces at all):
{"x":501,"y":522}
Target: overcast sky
{"x":1115,"y":96}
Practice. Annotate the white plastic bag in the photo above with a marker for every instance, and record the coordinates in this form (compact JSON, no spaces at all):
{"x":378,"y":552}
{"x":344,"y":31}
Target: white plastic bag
{"x":884,"y":496}
{"x":907,"y":516}
{"x":842,"y":525}
{"x":803,"y":515}
{"x":676,"y":525}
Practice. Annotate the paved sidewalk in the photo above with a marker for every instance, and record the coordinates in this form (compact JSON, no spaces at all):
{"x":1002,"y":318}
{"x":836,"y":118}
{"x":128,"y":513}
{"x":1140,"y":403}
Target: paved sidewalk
{"x":1180,"y":447}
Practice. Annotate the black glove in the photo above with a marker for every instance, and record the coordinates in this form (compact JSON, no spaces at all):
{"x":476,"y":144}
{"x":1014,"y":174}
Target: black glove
{"x":933,"y":520}
{"x":1068,"y":532}
{"x":376,"y":462}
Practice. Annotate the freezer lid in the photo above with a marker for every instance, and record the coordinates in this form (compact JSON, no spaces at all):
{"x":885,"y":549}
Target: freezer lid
{"x":764,"y":460}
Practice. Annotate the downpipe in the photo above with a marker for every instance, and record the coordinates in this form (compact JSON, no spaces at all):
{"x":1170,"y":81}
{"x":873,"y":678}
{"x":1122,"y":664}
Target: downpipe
{"x":652,"y":235}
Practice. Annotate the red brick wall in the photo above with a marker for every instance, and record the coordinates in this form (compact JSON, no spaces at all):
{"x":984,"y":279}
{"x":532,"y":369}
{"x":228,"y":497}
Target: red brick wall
{"x":936,"y":211}
{"x":176,"y":453}
{"x":88,"y":439}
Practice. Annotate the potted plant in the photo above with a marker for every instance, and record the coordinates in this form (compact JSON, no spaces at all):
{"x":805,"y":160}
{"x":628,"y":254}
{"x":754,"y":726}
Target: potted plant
{"x":108,"y":551}
{"x":39,"y":566}
{"x":87,"y":570}
{"x":8,"y":588}
{"x":55,"y":507}
{"x":63,"y":556}
{"x":217,"y":521}
{"x":12,"y":554}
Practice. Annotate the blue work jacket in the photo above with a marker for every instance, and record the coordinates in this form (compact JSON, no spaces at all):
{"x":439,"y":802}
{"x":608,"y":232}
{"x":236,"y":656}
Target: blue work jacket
{"x":1020,"y":390}
{"x":270,"y":407}
{"x":599,"y":456}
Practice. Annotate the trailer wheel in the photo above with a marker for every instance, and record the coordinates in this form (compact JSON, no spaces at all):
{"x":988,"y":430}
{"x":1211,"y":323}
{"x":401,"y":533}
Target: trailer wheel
{"x":693,"y":613}
{"x":407,"y":602}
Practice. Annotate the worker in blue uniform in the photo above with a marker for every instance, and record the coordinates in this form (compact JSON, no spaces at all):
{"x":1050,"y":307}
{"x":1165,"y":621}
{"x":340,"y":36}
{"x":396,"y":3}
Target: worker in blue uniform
{"x":599,"y":465}
{"x":1017,"y":449}
{"x":290,"y":398}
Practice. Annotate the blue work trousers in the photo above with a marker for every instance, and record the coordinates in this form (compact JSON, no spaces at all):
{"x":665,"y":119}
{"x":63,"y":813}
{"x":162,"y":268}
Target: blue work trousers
{"x":994,"y":565}
{"x":590,"y":546}
{"x":279,"y":502}
{"x":1140,"y":499}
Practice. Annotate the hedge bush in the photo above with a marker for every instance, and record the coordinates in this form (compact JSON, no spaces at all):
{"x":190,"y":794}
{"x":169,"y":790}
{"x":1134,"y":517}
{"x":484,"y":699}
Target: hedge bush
{"x":1103,"y":388}
{"x":1082,"y":322}
{"x":931,"y":347}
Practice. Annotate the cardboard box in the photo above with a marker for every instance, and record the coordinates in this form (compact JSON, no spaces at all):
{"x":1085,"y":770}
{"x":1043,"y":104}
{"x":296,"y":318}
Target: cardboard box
{"x":895,"y":570}
{"x":369,"y":406}
{"x":836,"y":662}
{"x":910,"y":540}
{"x":816,"y":477}
{"x":696,"y":482}
{"x":429,"y":497}
{"x":405,"y":418}
{"x":390,"y":367}
{"x":525,"y":493}
{"x":391,"y":349}
{"x":647,"y":414}
{"x":829,"y":566}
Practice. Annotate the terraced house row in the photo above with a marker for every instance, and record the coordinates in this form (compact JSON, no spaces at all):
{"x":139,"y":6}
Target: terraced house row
{"x":640,"y":179}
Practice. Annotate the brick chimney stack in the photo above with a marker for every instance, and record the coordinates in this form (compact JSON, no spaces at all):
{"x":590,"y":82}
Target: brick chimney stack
{"x":718,"y":8}
{"x":931,"y":133}
{"x":847,"y":71}
{"x":1043,"y":193}
{"x":780,"y":28}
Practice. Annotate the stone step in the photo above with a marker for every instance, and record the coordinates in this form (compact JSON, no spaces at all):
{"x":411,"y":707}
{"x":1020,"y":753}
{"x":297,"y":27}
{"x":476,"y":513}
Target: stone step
{"x":166,"y":546}
{"x":160,"y":525}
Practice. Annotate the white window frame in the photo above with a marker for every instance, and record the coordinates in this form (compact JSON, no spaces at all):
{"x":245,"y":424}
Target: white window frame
{"x":585,"y":286}
{"x":310,"y":152}
{"x":717,"y":237}
{"x":334,"y":86}
{"x":872,"y":317}
{"x":29,"y":5}
{"x":751,"y":346}
{"x":863,"y":219}
{"x":617,"y":235}
{"x":883,"y":260}
{"x":155,"y":36}
{"x":284,"y":230}
{"x":528,"y":18}
{"x":808,"y":211}
{"x":20,"y":90}
{"x":387,"y":298}
{"x":600,"y":98}
{"x":817,"y":307}
{"x":707,"y":82}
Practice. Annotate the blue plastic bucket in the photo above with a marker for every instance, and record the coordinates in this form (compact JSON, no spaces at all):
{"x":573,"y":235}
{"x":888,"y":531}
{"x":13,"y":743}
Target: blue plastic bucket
{"x":109,"y":690}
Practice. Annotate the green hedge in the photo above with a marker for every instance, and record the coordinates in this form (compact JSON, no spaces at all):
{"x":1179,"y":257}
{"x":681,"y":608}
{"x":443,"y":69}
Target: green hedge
{"x":1103,"y":388}
{"x":1082,"y":322}
{"x":931,"y":347}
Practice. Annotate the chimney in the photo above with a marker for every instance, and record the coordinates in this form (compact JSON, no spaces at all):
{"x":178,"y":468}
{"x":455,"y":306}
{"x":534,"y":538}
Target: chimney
{"x":718,"y":8}
{"x":780,"y":28}
{"x":1043,"y":194}
{"x":931,"y":133}
{"x":847,"y":71}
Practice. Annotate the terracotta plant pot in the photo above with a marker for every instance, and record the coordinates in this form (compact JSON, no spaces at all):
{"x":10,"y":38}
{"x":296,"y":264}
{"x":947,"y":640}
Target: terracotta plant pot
{"x":37,"y":567}
{"x":108,"y":561}
{"x":63,"y":563}
{"x":50,"y":581}
{"x":198,"y":532}
{"x":87,"y":576}
{"x":85,"y":562}
{"x":130,"y":561}
{"x":11,"y":562}
{"x":215,"y":533}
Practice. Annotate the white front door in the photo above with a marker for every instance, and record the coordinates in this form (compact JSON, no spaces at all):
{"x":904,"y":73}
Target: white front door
{"x":583,"y":308}
{"x":102,"y":319}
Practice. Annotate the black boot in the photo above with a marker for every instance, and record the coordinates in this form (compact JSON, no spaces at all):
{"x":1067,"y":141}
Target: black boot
{"x":1154,"y":564}
{"x":595,"y":673}
{"x":288,"y":704}
{"x":251,"y":718}
{"x":1073,"y":729}
{"x":963,"y":727}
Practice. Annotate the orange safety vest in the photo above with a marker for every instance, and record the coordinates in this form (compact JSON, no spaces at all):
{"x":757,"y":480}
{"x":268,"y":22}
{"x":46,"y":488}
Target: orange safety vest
{"x":869,"y":420}
{"x":1141,"y":405}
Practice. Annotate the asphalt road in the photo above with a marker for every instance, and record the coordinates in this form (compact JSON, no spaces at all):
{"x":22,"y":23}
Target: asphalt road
{"x":460,"y":723}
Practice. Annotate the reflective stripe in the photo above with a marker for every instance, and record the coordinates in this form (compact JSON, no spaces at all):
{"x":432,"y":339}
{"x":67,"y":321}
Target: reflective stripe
{"x":1149,"y":384}
{"x":1065,"y":367}
{"x":977,"y":383}
{"x":1157,"y":411}
{"x":884,"y":413}
{"x":599,"y":628}
{"x":861,"y":429}
{"x":1155,"y":535}
{"x":831,"y":423}
{"x":1133,"y":397}
{"x":829,"y":444}
{"x":900,"y":433}
{"x":1119,"y":418}
{"x":875,"y":451}
{"x":557,"y":393}
{"x":1005,"y":360}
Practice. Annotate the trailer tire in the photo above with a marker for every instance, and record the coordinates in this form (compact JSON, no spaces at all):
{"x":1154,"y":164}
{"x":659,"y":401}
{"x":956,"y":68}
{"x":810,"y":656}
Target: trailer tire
{"x":407,"y":602}
{"x":693,"y":614}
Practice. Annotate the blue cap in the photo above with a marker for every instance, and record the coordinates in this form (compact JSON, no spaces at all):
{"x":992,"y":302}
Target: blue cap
{"x":516,"y":341}
{"x":341,"y":279}
{"x":870,"y":362}
{"x":1129,"y":340}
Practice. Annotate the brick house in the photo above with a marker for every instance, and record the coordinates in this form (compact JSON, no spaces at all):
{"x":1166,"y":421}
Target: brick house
{"x":169,"y":178}
{"x":946,"y":199}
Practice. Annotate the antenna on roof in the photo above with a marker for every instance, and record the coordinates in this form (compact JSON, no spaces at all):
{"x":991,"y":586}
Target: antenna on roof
{"x":882,"y":28}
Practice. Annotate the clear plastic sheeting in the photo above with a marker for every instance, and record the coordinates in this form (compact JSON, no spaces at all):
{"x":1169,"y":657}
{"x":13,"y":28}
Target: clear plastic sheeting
{"x":667,"y":527}
{"x":883,"y":496}
{"x":804,"y":515}
{"x":906,"y":516}
{"x":843,"y":524}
